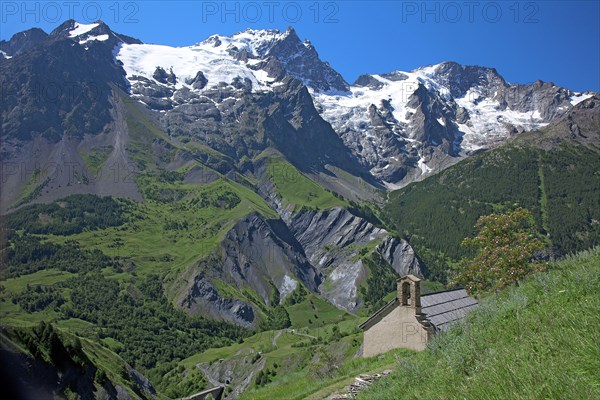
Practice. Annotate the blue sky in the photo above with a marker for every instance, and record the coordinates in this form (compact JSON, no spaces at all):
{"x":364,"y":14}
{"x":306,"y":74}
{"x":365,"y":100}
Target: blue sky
{"x":556,"y":41}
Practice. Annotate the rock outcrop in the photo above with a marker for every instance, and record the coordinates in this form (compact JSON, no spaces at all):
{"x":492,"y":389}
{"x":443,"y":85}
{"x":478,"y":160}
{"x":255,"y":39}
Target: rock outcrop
{"x":333,"y":240}
{"x":257,"y":254}
{"x":400,"y":255}
{"x":320,"y":250}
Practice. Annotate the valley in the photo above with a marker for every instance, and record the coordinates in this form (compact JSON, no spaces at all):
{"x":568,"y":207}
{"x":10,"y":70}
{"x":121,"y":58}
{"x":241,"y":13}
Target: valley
{"x":228,"y":213}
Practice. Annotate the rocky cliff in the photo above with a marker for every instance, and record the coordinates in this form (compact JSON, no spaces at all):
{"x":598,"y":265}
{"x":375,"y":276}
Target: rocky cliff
{"x":320,"y":250}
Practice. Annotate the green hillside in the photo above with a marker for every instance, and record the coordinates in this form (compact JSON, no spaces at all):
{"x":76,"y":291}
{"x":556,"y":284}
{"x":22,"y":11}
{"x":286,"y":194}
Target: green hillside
{"x":55,"y":360}
{"x":97,"y":277}
{"x":94,"y":268}
{"x":538,"y":340}
{"x":561,"y":187}
{"x":99,"y":269}
{"x":296,"y":190}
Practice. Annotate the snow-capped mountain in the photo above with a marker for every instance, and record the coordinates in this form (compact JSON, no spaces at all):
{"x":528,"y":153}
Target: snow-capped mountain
{"x":400,"y":126}
{"x":257,"y":59}
{"x":86,"y":110}
{"x":411,"y":124}
{"x":395,"y":127}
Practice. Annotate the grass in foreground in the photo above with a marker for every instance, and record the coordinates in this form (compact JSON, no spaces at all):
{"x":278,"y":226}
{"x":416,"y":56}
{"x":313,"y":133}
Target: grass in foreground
{"x":536,"y":341}
{"x":304,"y":384}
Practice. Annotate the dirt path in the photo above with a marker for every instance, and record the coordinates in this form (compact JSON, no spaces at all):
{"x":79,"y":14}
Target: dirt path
{"x":277,"y":335}
{"x":293,"y":331}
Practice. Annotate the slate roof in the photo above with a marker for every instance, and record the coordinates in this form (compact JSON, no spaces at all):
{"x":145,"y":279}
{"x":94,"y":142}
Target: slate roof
{"x":441,"y":309}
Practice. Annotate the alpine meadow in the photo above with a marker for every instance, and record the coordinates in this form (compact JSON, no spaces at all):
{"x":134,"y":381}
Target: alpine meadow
{"x":225,"y":216}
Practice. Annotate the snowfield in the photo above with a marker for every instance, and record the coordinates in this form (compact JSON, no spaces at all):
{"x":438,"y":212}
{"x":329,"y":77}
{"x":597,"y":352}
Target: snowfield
{"x":81,"y":29}
{"x":213,"y":57}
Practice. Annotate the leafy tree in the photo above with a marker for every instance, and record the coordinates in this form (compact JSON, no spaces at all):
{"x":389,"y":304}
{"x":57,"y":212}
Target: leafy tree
{"x":504,"y":249}
{"x":262,"y":378}
{"x":336,"y":334}
{"x":100,"y":376}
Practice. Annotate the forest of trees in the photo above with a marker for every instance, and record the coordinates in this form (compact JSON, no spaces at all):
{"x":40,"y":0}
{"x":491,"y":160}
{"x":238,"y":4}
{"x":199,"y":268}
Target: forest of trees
{"x":72,"y":215}
{"x":560,"y":187}
{"x":143,"y":320}
{"x":137,"y":315}
{"x":38,"y":298}
{"x":380,"y":282}
{"x":26,"y":254}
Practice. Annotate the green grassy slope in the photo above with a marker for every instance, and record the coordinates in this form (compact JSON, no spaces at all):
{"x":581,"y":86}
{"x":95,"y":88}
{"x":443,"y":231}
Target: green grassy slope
{"x":314,"y":311}
{"x":296,"y":190}
{"x":307,"y":384}
{"x":88,"y":369}
{"x":535,"y":341}
{"x":286,"y":354}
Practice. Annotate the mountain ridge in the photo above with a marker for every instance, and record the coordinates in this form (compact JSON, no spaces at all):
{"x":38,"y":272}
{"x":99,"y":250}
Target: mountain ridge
{"x":249,"y":193}
{"x":399,"y":126}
